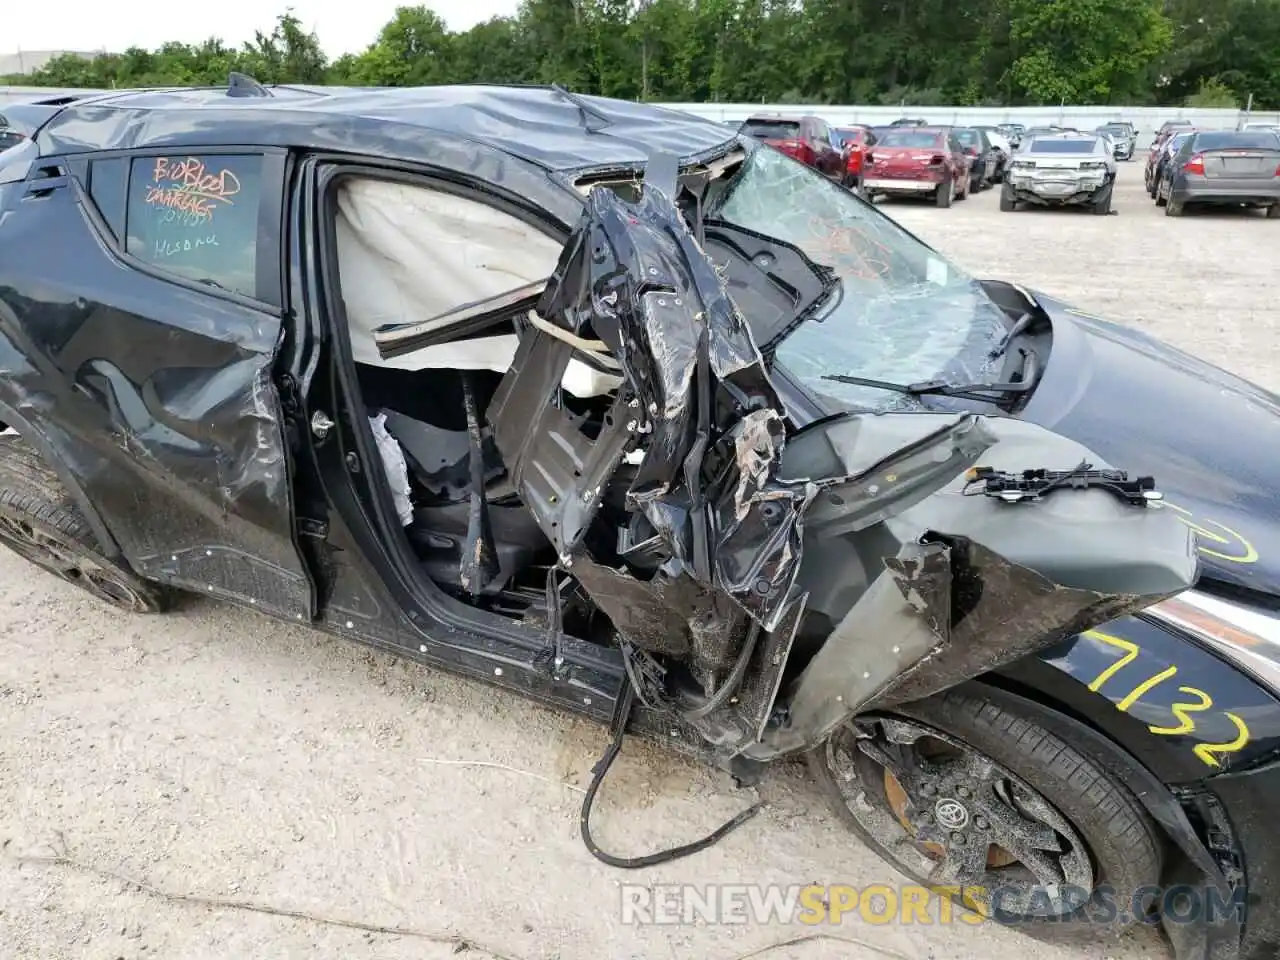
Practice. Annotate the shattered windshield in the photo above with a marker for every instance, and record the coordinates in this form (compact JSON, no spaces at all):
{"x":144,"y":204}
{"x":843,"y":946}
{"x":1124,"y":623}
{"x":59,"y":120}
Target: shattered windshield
{"x":903,"y":314}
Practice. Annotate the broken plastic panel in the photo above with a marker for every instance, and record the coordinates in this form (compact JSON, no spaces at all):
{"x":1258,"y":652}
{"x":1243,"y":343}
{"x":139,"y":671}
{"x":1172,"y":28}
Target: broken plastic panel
{"x":919,"y":586}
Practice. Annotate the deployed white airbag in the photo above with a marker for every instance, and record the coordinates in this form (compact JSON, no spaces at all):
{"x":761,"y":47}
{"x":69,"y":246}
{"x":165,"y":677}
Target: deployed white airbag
{"x":407,"y":254}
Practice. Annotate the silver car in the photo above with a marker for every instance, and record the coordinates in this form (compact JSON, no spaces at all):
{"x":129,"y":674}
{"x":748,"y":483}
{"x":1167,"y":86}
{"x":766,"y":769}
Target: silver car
{"x":1123,"y":135}
{"x":1223,"y":168}
{"x":1063,"y":169}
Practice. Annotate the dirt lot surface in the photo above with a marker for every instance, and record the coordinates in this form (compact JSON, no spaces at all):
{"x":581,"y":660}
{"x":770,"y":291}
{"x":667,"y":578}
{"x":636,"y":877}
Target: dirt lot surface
{"x":216,"y":754}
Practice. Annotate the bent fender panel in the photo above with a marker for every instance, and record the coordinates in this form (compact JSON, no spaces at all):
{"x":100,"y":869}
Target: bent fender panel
{"x":1096,"y":675}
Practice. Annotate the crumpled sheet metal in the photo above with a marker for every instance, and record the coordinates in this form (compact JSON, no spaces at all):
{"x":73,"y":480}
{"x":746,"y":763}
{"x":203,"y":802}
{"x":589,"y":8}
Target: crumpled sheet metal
{"x":1001,"y":611}
{"x":945,"y":609}
{"x":677,"y":617}
{"x":633,"y":276}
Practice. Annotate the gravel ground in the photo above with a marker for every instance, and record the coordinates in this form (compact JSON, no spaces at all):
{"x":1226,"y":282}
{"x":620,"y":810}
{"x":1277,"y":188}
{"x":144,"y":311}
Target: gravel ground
{"x":219,"y":755}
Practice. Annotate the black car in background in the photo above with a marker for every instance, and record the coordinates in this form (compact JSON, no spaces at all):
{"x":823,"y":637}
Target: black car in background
{"x":988,"y":161}
{"x":1160,"y":159}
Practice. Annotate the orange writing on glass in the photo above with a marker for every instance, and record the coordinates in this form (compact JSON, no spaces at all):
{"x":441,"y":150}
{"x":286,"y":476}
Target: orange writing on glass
{"x":190,"y":187}
{"x":1207,"y":751}
{"x":1242,"y":550}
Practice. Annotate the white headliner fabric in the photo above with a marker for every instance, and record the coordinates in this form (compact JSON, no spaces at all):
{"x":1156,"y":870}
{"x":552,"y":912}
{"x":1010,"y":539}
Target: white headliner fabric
{"x":408,"y":253}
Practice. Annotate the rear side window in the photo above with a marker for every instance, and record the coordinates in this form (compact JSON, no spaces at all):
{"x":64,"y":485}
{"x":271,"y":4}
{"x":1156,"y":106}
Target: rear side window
{"x":197,"y":217}
{"x":107,"y":185}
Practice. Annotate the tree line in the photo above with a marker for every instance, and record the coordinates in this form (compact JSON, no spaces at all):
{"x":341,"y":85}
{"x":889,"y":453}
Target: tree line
{"x":1213,"y":53}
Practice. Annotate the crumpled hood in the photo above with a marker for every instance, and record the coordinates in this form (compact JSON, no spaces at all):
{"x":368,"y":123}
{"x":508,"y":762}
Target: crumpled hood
{"x":1210,"y":439}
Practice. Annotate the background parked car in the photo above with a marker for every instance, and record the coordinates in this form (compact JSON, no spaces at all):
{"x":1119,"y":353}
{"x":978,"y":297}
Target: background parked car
{"x":1061,"y":170}
{"x":1014,"y":132}
{"x":1170,"y":126}
{"x":806,"y":138}
{"x":1046,"y":130}
{"x":1125,"y":135}
{"x":984,"y":158}
{"x":854,"y":141}
{"x":1222,"y":168}
{"x":917,"y":161}
{"x":1159,"y":157}
{"x":1004,"y":150}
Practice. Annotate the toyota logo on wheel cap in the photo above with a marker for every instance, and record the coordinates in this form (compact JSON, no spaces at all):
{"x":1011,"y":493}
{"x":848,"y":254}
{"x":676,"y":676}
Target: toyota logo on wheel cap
{"x":951,"y":813}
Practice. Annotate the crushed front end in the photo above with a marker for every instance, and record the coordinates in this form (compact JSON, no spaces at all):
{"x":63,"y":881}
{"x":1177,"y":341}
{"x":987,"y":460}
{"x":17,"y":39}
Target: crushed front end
{"x":765,"y":584}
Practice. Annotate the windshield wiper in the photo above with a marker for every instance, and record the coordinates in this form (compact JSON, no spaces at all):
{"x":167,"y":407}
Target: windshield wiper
{"x":979,"y":392}
{"x":1019,"y":326}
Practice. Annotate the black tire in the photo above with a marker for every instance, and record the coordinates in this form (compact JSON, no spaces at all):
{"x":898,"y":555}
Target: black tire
{"x":1102,"y":206}
{"x":1125,"y":846}
{"x":1172,"y":209}
{"x":40,"y":522}
{"x":1008,"y":203}
{"x":1273,"y":212}
{"x":944,"y":194}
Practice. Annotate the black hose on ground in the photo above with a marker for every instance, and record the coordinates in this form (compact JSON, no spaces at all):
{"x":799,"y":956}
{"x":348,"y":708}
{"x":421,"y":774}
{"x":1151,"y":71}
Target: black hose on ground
{"x":621,"y":714}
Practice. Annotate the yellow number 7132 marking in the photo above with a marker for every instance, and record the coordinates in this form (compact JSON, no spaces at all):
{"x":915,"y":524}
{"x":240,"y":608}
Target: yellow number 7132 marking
{"x":1206,"y":752}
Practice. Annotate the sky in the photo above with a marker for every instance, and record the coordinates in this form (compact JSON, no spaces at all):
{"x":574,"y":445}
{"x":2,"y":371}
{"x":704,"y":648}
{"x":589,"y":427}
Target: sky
{"x":343,"y":26}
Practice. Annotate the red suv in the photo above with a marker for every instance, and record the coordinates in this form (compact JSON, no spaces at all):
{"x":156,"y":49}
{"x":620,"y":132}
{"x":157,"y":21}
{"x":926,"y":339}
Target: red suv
{"x":807,"y":139}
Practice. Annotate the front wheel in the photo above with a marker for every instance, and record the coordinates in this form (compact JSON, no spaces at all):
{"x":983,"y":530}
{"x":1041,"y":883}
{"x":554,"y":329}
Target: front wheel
{"x":967,"y":790}
{"x":1008,"y":202}
{"x":1273,"y":212}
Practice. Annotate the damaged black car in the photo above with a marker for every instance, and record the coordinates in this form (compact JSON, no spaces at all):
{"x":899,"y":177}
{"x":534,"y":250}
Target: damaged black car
{"x":608,"y":406}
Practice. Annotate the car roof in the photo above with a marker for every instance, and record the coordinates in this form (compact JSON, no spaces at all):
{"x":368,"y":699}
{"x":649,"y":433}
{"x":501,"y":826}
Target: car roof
{"x":541,"y":124}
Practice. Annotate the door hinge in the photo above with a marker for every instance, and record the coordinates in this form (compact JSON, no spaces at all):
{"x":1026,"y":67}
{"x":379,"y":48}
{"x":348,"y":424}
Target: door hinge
{"x":313,"y":528}
{"x":321,"y":424}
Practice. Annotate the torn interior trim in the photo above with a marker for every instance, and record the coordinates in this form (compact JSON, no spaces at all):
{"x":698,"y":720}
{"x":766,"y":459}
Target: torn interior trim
{"x":633,"y":276}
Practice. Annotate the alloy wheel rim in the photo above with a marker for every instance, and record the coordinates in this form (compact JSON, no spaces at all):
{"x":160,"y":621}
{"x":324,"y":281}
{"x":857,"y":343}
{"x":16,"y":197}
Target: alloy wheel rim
{"x":954,"y":817}
{"x":69,"y":562}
